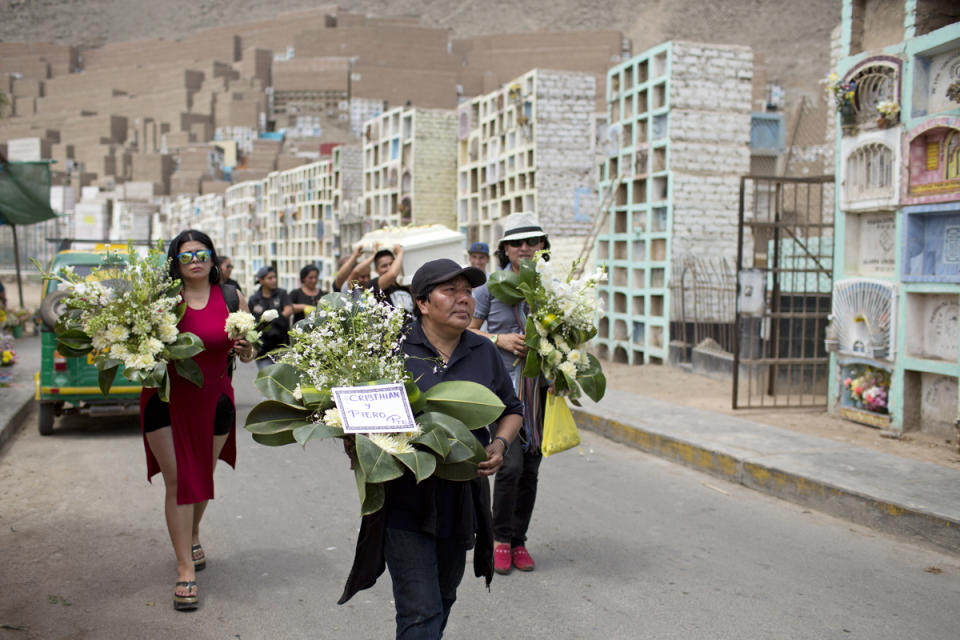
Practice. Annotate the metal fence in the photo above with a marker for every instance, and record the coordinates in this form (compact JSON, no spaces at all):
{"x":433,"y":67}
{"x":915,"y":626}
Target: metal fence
{"x":703,"y":298}
{"x":32,"y":241}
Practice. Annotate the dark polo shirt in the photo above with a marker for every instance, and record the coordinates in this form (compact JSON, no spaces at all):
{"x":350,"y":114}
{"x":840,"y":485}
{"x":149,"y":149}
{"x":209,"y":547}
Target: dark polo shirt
{"x":411,"y":506}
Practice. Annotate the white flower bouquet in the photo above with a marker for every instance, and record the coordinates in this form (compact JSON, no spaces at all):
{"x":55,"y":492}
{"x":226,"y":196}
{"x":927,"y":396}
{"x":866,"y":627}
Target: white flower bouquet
{"x":355,"y":340}
{"x":562,"y":319}
{"x":242,"y":325}
{"x":125,"y":314}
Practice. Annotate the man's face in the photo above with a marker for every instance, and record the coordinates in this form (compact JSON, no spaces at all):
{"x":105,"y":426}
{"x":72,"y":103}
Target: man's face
{"x":360,"y":277}
{"x":227,"y":268}
{"x":450,"y":304}
{"x":479,"y":260}
{"x":269,"y":281}
{"x":382,"y":264}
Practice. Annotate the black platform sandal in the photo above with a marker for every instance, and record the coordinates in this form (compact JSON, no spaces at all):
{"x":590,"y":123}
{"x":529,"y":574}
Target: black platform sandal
{"x":186,"y":603}
{"x":199,"y":564}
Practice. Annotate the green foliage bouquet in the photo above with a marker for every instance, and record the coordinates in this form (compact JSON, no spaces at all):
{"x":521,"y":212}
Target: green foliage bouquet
{"x":126,"y":313}
{"x":354,"y":340}
{"x":562,"y":319}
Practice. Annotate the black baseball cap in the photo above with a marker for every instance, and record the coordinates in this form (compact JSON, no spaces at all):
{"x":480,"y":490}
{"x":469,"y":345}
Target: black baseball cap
{"x":443,"y":270}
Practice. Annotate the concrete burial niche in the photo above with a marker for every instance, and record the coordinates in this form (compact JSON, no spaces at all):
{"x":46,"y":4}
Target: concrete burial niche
{"x":933,"y":72}
{"x":932,"y":170}
{"x":931,"y":243}
{"x":870,"y":244}
{"x":932,"y":331}
{"x":870,"y":171}
{"x":877,"y":80}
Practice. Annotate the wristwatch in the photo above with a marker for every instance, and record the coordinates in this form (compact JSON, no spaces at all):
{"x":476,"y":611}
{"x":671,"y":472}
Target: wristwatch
{"x":494,"y":337}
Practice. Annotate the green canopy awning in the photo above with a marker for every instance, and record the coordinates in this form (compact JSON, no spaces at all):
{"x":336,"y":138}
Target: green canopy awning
{"x":25,"y":192}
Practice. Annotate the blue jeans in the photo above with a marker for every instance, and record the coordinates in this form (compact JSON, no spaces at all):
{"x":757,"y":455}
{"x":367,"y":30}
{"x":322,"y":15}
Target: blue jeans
{"x":426,"y":572}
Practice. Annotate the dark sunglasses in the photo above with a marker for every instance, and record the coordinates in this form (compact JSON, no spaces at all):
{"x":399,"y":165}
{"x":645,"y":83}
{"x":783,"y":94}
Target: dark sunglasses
{"x":531,"y":242}
{"x":201,"y":255}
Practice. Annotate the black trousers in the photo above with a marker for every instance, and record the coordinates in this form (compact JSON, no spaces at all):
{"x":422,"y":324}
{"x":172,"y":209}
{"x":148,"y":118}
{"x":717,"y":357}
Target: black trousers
{"x":514,"y":494}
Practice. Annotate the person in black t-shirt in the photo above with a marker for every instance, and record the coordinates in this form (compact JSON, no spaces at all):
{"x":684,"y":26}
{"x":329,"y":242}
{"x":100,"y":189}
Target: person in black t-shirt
{"x":308,"y":293}
{"x":268,"y":296}
{"x":388,"y":264}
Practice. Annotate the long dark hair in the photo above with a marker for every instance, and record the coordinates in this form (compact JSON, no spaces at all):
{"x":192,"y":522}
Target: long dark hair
{"x":197,"y":236}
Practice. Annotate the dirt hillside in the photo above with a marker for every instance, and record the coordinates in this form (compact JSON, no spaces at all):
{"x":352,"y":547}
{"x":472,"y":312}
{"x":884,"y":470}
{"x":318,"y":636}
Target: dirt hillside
{"x":793,"y":36}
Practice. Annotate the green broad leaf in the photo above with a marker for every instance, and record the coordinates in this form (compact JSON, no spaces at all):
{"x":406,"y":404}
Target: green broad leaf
{"x":416,"y":398}
{"x":532,"y":338}
{"x":186,"y":346}
{"x":472,"y":404}
{"x":373,"y":500}
{"x":106,"y":362}
{"x":434,"y":438}
{"x":105,"y":379}
{"x":462,"y":443}
{"x":271,"y":416}
{"x":180,"y":310}
{"x":274,"y":439}
{"x":574,"y":401}
{"x":316,"y":399}
{"x":277,"y":382}
{"x":163,"y":389}
{"x":531,"y":367}
{"x":527,"y":275}
{"x":173,"y":289}
{"x":75,"y":339}
{"x":189,"y":370}
{"x":377,"y":464}
{"x":421,"y":463}
{"x":592,"y":381}
{"x":503,"y":286}
{"x":307,"y":432}
{"x":457,"y":471}
{"x":360,"y":478}
{"x":69,"y":352}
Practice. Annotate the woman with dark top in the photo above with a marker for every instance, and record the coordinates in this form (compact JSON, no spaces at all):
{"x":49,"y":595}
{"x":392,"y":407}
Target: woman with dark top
{"x":185,"y":437}
{"x":226,"y":273}
{"x":268,"y":296}
{"x":423,"y":531}
{"x":308,"y":293}
{"x":515,"y":489}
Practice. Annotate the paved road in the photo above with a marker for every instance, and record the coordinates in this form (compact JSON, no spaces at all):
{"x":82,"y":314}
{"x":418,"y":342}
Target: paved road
{"x":627,"y":545}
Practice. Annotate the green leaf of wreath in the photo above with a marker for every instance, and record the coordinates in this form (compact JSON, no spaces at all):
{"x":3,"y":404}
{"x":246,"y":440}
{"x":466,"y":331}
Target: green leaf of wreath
{"x":472,"y":404}
{"x":277,"y":382}
{"x":463,"y":444}
{"x":377,"y":464}
{"x":105,"y":378}
{"x":271,"y":416}
{"x":503,"y":286}
{"x":421,"y":463}
{"x":186,"y":346}
{"x":592,"y":381}
{"x":274,"y":439}
{"x":307,"y":432}
{"x":434,"y":438}
{"x":459,"y":471}
{"x":189,"y":370}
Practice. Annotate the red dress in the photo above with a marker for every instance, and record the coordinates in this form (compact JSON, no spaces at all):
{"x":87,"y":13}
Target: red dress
{"x":193,"y":409}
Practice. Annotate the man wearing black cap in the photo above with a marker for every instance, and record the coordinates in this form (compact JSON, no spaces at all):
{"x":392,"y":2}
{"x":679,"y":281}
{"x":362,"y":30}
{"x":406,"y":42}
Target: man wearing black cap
{"x":424,"y":530}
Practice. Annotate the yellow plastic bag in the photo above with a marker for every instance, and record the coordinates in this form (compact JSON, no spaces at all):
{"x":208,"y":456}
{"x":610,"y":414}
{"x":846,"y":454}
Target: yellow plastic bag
{"x":559,"y":430}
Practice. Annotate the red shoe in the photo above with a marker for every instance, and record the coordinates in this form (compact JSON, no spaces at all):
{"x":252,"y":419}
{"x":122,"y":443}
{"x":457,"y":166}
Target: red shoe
{"x":501,"y":559}
{"x":521,"y":559}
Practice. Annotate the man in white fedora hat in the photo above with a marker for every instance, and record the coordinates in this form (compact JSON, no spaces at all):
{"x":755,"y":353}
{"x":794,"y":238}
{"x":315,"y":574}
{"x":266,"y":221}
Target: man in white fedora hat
{"x":515,"y":489}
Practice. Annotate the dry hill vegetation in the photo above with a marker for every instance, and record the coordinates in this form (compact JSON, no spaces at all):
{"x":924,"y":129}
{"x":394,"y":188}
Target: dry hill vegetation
{"x":792,"y":36}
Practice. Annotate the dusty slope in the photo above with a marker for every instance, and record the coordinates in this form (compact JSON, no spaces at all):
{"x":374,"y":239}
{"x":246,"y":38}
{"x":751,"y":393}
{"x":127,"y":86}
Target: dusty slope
{"x":794,"y":36}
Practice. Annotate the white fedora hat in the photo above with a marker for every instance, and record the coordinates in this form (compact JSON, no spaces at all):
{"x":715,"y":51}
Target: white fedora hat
{"x":520,"y":225}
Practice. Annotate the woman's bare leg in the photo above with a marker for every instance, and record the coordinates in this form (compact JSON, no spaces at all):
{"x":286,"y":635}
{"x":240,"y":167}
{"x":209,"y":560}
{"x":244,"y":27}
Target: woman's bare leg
{"x":200,"y":507}
{"x":179,"y":517}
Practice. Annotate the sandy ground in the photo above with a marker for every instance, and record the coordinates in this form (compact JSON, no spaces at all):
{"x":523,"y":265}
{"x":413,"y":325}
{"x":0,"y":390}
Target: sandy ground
{"x":680,"y":387}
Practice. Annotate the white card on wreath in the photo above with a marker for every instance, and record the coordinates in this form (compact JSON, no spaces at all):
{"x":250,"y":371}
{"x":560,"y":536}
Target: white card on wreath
{"x":379,"y":408}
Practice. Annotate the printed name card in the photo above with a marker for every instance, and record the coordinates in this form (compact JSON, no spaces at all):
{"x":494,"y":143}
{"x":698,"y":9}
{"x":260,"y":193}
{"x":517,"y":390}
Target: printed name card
{"x":380,"y":408}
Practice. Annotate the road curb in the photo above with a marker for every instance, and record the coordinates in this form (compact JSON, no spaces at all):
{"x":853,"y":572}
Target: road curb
{"x":9,"y":428}
{"x":872,"y":511}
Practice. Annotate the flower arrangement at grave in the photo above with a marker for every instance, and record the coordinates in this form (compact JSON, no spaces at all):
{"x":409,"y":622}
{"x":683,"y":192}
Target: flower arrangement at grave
{"x":561,"y":320}
{"x":843,"y":94}
{"x":953,"y":91}
{"x":8,"y":357}
{"x":125,"y":313}
{"x":354,"y":341}
{"x":889,"y":113}
{"x":868,"y":388}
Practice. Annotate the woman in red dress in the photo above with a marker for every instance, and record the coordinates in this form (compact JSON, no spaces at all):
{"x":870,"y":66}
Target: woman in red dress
{"x":185,"y":437}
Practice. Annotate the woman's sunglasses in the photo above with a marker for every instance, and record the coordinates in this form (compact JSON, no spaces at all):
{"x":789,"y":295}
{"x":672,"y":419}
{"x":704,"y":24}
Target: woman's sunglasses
{"x":531,"y":242}
{"x":201,"y":255}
